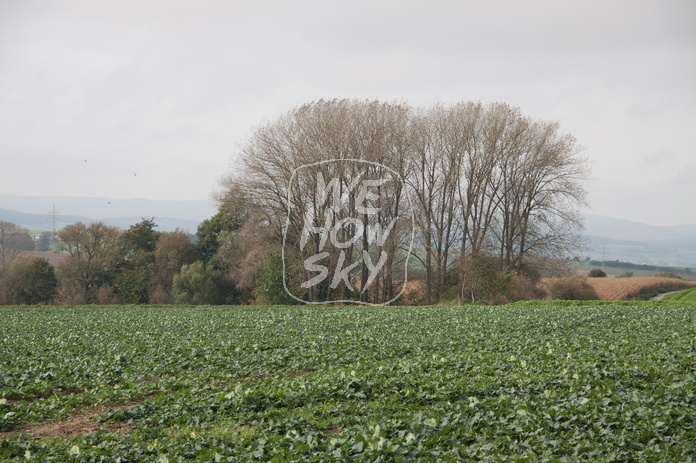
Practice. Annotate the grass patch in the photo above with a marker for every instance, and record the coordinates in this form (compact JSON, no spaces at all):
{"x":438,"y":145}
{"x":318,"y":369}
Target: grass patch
{"x":687,"y":296}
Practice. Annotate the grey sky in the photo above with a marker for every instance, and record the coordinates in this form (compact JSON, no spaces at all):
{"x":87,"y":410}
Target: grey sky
{"x":168,"y":89}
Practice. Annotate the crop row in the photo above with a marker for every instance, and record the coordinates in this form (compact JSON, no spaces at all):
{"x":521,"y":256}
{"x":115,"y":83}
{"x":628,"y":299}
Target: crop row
{"x":554,"y":383}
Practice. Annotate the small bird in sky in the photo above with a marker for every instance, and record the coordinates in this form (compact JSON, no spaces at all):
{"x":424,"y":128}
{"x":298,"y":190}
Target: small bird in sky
{"x":134,"y":174}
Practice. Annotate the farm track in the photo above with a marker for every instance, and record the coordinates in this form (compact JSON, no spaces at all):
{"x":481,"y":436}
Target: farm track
{"x":661,"y":296}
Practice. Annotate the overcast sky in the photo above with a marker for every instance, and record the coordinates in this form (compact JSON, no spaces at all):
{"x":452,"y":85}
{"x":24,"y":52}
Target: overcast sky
{"x":169,"y":89}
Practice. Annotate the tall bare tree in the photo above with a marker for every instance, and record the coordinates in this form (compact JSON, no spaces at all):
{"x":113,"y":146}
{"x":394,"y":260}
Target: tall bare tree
{"x":311,"y":162}
{"x":172,"y":251}
{"x":14,"y":241}
{"x":95,"y":255}
{"x":484,"y":181}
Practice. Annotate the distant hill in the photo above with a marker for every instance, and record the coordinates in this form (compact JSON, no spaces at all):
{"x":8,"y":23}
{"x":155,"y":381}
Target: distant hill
{"x":615,"y":239}
{"x":38,"y":221}
{"x":625,"y":230}
{"x":42,"y":221}
{"x":101,"y":208}
{"x":33,"y":211}
{"x":608,"y":238}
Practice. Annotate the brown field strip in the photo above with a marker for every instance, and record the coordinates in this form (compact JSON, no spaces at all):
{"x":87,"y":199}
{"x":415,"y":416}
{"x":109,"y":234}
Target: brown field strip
{"x":627,"y":289}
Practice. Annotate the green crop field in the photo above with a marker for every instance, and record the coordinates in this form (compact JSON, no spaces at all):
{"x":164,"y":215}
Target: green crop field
{"x":685,"y":296}
{"x":604,"y":382}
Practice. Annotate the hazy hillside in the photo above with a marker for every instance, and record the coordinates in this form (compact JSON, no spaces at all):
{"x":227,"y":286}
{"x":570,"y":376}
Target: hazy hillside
{"x":43,"y":222}
{"x":608,"y":238}
{"x":38,"y":221}
{"x":625,"y":230}
{"x":101,"y":208}
{"x":616,"y":239}
{"x":33,"y":211}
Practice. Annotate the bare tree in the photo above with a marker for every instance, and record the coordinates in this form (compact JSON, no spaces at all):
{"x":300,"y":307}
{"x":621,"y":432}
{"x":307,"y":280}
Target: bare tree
{"x":485,"y":181}
{"x":95,"y":254}
{"x":542,"y":189}
{"x":310,"y":163}
{"x":437,"y":146}
{"x":14,"y":241}
{"x":172,"y":251}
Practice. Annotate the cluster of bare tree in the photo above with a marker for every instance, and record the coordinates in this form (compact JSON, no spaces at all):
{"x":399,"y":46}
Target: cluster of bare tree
{"x":482,"y":186}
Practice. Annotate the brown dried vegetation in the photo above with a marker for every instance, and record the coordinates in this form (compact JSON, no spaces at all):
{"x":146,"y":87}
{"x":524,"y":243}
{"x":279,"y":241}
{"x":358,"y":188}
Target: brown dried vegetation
{"x":627,"y":289}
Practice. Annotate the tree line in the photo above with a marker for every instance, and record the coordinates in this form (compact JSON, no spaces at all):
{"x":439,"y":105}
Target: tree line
{"x":469,"y":201}
{"x":106,"y":265}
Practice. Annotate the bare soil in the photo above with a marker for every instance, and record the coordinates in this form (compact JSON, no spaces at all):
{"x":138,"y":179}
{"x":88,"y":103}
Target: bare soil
{"x":75,"y":425}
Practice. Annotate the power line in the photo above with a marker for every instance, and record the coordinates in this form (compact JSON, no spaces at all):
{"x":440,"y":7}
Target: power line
{"x":54,"y":216}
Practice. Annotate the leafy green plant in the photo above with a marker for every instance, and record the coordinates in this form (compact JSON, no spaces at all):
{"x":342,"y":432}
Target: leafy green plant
{"x":576,"y":381}
{"x":196,"y":284}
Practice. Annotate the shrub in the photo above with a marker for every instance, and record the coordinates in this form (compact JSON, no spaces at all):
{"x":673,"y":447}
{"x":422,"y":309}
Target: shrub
{"x":484,"y":280}
{"x":523,"y":288}
{"x":669,"y":275}
{"x":172,"y":251}
{"x":11,"y":285}
{"x":572,"y":289}
{"x":39,"y":282}
{"x":597,"y":273}
{"x":106,"y":295}
{"x":270,"y":288}
{"x":196,"y":284}
{"x":625,"y":274}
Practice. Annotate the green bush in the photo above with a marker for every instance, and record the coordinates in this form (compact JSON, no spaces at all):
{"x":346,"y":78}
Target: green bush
{"x":625,"y":274}
{"x":484,"y":280}
{"x":597,"y":273}
{"x":270,"y":287}
{"x":669,"y":275}
{"x":196,"y":284}
{"x":39,"y":282}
